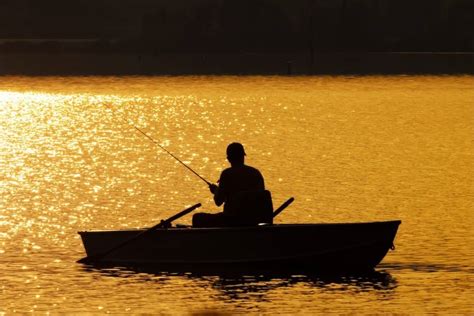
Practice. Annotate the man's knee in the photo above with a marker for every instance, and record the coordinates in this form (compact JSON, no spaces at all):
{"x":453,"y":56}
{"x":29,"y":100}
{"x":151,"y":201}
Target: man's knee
{"x":199,"y":219}
{"x":208,"y":220}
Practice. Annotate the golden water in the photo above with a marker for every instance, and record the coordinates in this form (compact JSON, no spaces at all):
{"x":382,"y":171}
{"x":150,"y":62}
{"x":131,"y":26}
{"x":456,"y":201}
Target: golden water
{"x":348,"y":149}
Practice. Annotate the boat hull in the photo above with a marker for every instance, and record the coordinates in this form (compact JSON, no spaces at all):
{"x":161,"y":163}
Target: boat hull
{"x":353,"y":246}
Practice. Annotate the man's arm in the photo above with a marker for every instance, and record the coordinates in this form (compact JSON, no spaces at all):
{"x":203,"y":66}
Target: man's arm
{"x":217,"y":196}
{"x":219,"y":192}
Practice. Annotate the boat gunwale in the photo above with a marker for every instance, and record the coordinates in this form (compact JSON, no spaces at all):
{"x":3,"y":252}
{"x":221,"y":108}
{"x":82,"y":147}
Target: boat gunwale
{"x":241,"y":228}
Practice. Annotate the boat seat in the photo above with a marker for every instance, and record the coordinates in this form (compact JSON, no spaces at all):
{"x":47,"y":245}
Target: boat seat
{"x":249,"y":208}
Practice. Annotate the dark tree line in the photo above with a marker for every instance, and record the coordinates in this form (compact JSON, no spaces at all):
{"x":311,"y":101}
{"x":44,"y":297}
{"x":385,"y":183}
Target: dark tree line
{"x":238,"y":26}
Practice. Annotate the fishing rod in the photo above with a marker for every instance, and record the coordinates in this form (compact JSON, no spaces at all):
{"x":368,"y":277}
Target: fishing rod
{"x":158,"y":144}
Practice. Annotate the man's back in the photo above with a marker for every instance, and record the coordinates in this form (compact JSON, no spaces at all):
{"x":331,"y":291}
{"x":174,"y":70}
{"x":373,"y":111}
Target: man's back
{"x":241,"y":178}
{"x":238,"y":179}
{"x":241,"y":189}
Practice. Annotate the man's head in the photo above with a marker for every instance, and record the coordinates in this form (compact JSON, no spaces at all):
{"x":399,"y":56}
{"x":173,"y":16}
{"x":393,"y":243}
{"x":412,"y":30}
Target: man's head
{"x":235,"y":153}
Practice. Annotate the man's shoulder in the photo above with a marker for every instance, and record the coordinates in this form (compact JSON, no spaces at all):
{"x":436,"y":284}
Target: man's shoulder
{"x":227,"y":171}
{"x":252,"y":169}
{"x":244,"y":168}
{"x":252,"y":173}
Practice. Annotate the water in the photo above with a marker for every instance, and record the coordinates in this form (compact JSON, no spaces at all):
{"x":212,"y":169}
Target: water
{"x":349,"y":149}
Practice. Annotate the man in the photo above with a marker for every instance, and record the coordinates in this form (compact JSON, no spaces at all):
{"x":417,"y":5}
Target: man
{"x":239,"y":186}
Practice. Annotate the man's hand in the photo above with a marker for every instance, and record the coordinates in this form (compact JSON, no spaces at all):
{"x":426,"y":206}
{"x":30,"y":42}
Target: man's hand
{"x":213,"y":188}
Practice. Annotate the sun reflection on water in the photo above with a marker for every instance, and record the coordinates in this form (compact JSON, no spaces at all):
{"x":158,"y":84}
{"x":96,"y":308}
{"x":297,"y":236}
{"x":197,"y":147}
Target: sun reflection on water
{"x":402,"y":149}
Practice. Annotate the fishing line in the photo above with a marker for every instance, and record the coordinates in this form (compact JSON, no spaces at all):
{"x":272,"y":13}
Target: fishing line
{"x":158,"y":144}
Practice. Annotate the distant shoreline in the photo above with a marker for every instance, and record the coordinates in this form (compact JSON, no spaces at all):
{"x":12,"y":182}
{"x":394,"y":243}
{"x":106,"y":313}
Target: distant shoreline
{"x":331,"y":63}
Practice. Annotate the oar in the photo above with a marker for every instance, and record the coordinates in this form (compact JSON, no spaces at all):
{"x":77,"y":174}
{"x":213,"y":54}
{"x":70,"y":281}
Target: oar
{"x":283,"y":206}
{"x":163,"y":223}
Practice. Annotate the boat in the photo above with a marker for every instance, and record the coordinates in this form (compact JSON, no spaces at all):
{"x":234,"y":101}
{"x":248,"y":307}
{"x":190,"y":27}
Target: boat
{"x":298,"y":247}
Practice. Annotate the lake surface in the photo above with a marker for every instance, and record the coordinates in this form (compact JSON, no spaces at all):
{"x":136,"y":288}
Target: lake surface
{"x":349,"y":149}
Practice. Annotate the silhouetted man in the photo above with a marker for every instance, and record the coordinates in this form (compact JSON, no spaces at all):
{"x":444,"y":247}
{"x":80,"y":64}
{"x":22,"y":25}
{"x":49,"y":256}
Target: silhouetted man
{"x":238,"y":187}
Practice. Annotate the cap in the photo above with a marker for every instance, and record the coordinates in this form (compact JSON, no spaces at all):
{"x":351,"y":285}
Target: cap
{"x":235,"y":150}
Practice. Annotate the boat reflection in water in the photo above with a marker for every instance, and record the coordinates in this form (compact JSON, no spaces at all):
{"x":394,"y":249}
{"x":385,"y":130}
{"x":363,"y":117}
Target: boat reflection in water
{"x":238,"y":286}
